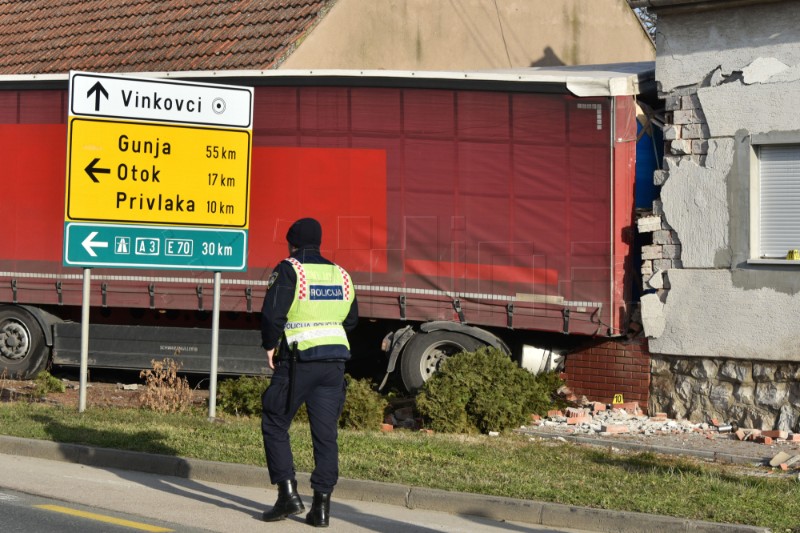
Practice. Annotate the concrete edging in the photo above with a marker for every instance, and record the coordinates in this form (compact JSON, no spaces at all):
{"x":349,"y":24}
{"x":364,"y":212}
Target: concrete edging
{"x":494,"y":507}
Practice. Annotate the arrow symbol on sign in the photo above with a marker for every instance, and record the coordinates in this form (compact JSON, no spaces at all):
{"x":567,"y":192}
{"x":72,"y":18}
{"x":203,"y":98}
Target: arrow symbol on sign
{"x":98,"y":90}
{"x":89,"y":244}
{"x":92,"y":170}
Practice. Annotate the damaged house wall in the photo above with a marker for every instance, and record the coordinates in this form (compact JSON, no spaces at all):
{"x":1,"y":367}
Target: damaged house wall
{"x":722,"y":320}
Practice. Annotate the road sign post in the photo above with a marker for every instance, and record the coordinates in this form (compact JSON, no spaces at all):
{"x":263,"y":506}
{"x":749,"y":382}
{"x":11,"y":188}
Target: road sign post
{"x":158,"y":177}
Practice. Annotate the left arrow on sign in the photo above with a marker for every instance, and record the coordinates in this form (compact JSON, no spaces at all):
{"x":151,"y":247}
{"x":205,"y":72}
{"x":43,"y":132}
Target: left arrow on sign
{"x":98,"y":90}
{"x":91,"y":169}
{"x":89,"y":244}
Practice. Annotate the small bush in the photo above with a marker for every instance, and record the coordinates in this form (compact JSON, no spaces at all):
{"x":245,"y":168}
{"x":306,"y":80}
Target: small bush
{"x":242,"y":396}
{"x":364,"y":408}
{"x":164,"y":391}
{"x":484,"y":391}
{"x":46,"y":383}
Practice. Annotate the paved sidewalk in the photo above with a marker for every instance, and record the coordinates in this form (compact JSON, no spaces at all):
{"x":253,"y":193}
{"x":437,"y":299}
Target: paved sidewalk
{"x":470,"y":507}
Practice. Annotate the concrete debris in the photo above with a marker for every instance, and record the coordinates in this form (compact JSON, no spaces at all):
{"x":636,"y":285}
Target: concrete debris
{"x":782,"y":457}
{"x":612,"y":421}
{"x":627,"y":420}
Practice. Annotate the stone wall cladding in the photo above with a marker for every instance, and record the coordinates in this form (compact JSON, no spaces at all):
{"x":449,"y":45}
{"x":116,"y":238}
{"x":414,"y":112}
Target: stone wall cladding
{"x":746,"y":394}
{"x":611,"y":367}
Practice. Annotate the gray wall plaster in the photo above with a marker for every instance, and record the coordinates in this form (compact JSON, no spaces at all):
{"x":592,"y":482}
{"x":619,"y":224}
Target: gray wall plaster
{"x":696,"y":205}
{"x":706,"y":315}
{"x":758,"y":108}
{"x":690,"y":48}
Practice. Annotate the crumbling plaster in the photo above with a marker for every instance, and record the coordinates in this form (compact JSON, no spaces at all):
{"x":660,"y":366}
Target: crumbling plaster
{"x":692,"y":47}
{"x":743,"y":68}
{"x":696,"y":206}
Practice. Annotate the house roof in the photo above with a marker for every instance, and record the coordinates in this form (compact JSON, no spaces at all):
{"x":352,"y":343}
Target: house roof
{"x":45,"y":37}
{"x":693,"y":6}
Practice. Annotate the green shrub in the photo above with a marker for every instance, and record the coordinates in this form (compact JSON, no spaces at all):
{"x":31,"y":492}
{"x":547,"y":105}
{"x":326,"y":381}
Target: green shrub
{"x":242,"y":396}
{"x":46,"y":383}
{"x":364,"y":408}
{"x":484,"y":391}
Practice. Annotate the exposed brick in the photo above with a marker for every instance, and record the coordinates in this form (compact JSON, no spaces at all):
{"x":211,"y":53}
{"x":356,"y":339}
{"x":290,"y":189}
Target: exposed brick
{"x":387,"y":427}
{"x":554,"y":412}
{"x":776,"y":434}
{"x":630,"y":407}
{"x":648,"y":224}
{"x":651,"y":252}
{"x":672,"y":132}
{"x":794,"y":437}
{"x":673,"y":102}
{"x":574,"y":420}
{"x":695,"y":132}
{"x":615,"y":429}
{"x":688,"y":116}
{"x":690,"y":101}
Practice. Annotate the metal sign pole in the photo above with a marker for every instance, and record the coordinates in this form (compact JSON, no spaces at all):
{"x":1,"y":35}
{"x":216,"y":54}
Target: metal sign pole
{"x":212,"y":386}
{"x":86,"y":305}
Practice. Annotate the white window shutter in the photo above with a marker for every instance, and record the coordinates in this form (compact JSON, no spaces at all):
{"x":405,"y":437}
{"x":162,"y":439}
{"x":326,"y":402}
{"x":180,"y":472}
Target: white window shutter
{"x":780,"y":199}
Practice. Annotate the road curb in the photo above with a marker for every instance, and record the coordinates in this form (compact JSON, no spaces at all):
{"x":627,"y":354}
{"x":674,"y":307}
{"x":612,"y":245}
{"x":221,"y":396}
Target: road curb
{"x":497,"y":508}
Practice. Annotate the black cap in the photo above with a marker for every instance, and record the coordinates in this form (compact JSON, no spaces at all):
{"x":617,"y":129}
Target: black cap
{"x":305,"y":232}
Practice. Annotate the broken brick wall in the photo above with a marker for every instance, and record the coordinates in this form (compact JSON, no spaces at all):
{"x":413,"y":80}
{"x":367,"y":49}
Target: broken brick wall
{"x":608,"y":368}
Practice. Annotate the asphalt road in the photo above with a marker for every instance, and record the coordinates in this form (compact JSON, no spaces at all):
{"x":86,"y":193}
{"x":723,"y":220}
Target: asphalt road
{"x":23,"y":513}
{"x":190,"y":506}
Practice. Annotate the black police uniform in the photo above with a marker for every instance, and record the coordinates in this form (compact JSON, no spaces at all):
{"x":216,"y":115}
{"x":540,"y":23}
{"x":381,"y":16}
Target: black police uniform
{"x":319,"y":384}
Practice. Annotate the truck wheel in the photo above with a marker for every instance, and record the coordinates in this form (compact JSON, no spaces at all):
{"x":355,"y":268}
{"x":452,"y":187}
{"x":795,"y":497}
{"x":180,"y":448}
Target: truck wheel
{"x":23,"y":352}
{"x":426,"y":351}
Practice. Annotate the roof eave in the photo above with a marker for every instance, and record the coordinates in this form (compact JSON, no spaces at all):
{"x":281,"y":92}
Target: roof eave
{"x":588,"y":80}
{"x":693,"y":6}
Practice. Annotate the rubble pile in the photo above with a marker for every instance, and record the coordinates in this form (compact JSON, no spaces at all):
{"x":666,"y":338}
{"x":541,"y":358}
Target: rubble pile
{"x":627,"y":420}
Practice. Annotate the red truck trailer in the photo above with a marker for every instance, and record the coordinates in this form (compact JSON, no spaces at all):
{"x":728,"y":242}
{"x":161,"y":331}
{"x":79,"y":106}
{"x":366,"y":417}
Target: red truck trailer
{"x":471,"y":208}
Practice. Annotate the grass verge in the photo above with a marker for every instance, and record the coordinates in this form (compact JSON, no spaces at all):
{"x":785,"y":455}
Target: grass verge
{"x":509,"y":465}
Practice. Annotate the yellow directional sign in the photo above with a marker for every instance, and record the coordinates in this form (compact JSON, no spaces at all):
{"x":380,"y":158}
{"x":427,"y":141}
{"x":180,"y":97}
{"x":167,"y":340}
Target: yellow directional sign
{"x":157,"y":174}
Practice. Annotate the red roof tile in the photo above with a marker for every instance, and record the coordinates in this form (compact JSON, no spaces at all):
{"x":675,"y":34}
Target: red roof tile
{"x":47,"y":36}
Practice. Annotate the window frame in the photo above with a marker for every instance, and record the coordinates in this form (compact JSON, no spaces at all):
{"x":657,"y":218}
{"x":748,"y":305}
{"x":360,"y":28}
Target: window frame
{"x":756,"y":142}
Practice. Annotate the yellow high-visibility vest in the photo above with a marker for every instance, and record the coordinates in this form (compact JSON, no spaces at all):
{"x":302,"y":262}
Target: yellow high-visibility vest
{"x":322,"y":299}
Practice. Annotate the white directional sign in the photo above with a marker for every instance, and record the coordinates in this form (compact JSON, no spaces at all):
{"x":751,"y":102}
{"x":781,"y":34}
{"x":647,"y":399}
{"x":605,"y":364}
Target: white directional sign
{"x":158,"y":173}
{"x":101,"y":95}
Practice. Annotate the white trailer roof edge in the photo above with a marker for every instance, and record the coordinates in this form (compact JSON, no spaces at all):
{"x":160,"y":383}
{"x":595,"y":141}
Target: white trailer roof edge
{"x":617,"y":79}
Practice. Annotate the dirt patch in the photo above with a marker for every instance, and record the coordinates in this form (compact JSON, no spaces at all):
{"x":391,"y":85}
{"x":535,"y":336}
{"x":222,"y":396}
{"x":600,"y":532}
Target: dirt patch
{"x":103,"y":394}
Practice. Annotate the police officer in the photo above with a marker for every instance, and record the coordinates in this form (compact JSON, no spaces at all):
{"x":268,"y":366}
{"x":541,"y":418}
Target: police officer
{"x":309,"y":307}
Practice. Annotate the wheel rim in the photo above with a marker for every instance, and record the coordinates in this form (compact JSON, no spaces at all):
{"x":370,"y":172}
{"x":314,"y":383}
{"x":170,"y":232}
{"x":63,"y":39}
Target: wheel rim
{"x":433,"y":356}
{"x":15,"y":340}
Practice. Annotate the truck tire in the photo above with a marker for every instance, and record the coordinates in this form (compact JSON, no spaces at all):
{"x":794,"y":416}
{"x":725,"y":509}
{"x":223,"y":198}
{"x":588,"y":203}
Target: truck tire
{"x":426,"y":351}
{"x":23,"y":351}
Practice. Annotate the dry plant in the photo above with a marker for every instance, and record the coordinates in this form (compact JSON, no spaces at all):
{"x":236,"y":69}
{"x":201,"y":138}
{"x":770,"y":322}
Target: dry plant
{"x":7,"y":393}
{"x":164,"y":391}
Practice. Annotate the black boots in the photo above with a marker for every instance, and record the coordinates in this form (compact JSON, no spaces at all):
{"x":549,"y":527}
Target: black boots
{"x":288,"y":503}
{"x":319,"y":514}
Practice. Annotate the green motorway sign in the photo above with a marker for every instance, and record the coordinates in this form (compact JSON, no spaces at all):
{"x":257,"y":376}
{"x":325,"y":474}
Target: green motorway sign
{"x":158,"y":247}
